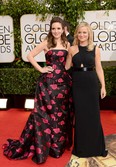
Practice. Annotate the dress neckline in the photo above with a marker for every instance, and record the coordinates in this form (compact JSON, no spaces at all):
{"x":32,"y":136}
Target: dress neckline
{"x":83,"y":46}
{"x":56,"y":50}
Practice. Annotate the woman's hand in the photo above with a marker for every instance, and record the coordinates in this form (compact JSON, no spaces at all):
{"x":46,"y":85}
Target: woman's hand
{"x":47,"y":69}
{"x":103,"y":92}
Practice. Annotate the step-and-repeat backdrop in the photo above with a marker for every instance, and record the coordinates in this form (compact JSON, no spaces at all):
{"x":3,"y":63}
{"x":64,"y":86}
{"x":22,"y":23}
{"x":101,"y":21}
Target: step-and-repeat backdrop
{"x":34,"y":31}
{"x":6,"y":39}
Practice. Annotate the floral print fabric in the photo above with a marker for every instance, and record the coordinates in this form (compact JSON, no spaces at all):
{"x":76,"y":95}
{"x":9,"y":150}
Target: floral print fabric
{"x":45,"y":132}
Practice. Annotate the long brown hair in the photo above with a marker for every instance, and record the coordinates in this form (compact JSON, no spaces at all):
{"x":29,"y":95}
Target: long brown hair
{"x":50,"y":38}
{"x":90,"y":34}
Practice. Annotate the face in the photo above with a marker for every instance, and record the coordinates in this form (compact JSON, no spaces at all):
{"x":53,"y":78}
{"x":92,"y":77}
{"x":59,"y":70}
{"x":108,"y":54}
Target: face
{"x":83,"y":35}
{"x":56,"y":30}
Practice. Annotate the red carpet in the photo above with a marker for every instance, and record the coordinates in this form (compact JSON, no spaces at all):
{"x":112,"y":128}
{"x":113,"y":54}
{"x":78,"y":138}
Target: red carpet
{"x":12,"y":122}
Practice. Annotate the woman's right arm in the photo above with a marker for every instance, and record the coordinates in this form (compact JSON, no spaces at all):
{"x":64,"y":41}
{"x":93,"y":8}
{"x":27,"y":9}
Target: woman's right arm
{"x":42,"y":46}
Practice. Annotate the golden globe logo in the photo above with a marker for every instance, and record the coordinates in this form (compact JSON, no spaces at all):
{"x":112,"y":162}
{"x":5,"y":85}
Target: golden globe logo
{"x":33,"y":31}
{"x":6,"y":39}
{"x":105,"y":35}
{"x":103,"y":24}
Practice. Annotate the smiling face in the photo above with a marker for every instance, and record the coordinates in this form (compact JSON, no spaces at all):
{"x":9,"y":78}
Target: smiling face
{"x":83,"y":35}
{"x":56,"y":30}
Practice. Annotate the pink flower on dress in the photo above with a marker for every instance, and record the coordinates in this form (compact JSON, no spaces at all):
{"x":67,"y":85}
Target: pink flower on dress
{"x":60,"y":53}
{"x":19,"y":150}
{"x":35,"y":110}
{"x":49,"y":52}
{"x":48,"y":131}
{"x":32,"y":147}
{"x":50,"y":75}
{"x":57,"y":71}
{"x":56,"y":130}
{"x":31,"y":127}
{"x":21,"y":140}
{"x":30,"y":154}
{"x":38,"y":123}
{"x":59,"y":114}
{"x":54,"y":145}
{"x":53,"y":102}
{"x":43,"y":108}
{"x":39,"y":133}
{"x":49,"y":107}
{"x":61,"y":138}
{"x":60,"y":80}
{"x":53,"y":117}
{"x":9,"y":153}
{"x":42,"y":93}
{"x":60,"y":95}
{"x":38,"y":150}
{"x":49,"y":92}
{"x":45,"y":120}
{"x":54,"y":66}
{"x":54,"y":86}
{"x":61,"y":59}
{"x":61,"y":123}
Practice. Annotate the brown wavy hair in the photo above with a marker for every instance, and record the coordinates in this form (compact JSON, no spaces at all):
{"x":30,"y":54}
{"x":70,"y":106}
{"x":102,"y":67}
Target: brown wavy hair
{"x":90,"y":34}
{"x":50,"y":38}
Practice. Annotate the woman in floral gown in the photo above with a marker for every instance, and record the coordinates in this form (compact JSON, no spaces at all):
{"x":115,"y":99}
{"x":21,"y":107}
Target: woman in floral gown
{"x":45,"y":132}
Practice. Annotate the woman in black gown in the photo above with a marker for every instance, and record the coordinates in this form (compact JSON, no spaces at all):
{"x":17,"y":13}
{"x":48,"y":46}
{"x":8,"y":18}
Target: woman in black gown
{"x":45,"y":132}
{"x":87,"y":69}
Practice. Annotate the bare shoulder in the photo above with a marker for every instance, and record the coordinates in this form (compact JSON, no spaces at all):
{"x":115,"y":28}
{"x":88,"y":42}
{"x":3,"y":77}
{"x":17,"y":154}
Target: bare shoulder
{"x":73,"y":50}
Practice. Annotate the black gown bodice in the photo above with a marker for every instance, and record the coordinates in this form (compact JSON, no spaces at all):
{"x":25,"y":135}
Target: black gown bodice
{"x":85,"y":57}
{"x":56,"y":59}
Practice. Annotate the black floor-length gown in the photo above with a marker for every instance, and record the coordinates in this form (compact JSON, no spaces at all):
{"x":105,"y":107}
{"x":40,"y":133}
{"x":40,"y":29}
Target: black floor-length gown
{"x":45,"y":132}
{"x":88,"y":135}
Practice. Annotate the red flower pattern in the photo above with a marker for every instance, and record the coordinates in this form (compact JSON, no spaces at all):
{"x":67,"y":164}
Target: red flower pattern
{"x":54,"y":86}
{"x":57,"y":71}
{"x":60,"y":80}
{"x":56,"y":130}
{"x":46,"y":127}
{"x":60,"y":53}
{"x":49,"y":107}
{"x":60,"y":95}
{"x":47,"y":131}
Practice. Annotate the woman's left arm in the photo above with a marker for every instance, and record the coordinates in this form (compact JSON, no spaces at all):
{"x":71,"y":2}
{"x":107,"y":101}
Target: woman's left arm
{"x":100,"y":72}
{"x":68,"y":60}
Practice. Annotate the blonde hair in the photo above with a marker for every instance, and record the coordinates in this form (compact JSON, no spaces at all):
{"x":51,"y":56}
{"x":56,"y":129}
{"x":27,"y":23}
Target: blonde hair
{"x":90,"y":35}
